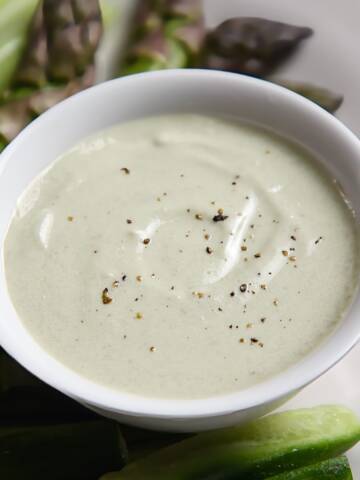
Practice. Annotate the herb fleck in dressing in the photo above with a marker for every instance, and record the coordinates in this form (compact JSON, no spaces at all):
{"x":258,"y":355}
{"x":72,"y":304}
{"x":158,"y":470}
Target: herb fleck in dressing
{"x":182,"y":256}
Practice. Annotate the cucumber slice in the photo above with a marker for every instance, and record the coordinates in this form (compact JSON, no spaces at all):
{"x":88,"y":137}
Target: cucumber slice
{"x":334,"y":469}
{"x":257,"y":450}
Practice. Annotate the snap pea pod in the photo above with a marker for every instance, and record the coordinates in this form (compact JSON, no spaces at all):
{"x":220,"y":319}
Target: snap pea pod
{"x":255,"y":451}
{"x":333,"y":469}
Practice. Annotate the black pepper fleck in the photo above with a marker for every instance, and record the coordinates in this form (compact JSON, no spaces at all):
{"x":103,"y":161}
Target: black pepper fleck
{"x":105,"y":296}
{"x":220,"y":217}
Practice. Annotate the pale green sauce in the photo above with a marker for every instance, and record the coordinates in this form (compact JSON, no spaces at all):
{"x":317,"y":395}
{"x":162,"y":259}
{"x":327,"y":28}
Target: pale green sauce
{"x":205,"y":307}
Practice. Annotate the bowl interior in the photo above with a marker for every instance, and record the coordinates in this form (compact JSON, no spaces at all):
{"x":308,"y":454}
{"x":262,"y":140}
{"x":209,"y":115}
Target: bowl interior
{"x":132,"y":97}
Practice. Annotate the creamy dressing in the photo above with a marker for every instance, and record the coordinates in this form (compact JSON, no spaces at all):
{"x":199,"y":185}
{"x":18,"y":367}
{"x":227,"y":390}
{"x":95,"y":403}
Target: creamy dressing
{"x":182,"y":256}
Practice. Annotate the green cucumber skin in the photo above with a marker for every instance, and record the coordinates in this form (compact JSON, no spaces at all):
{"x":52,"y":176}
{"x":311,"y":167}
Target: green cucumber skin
{"x":333,"y":469}
{"x":80,"y":451}
{"x":260,"y":449}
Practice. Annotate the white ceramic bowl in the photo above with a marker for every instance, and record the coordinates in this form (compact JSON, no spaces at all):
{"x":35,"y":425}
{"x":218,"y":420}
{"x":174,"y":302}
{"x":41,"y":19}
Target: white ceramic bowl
{"x":150,"y":94}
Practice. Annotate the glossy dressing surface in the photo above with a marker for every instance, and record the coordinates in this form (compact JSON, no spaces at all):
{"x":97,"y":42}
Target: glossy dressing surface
{"x":182,"y":256}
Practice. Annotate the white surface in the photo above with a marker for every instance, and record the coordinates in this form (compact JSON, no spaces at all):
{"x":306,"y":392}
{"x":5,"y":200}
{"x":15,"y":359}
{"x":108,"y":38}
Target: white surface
{"x":166,"y":92}
{"x":331,"y":59}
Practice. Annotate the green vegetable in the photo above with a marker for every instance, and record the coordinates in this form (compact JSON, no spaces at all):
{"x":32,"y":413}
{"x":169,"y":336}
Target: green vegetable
{"x":63,"y":452}
{"x":31,"y":71}
{"x":254,"y":46}
{"x":334,"y":469}
{"x":328,"y":100}
{"x":73,"y":31}
{"x":264,"y":447}
{"x":57,"y":62}
{"x":166,"y":34}
{"x":15,"y":18}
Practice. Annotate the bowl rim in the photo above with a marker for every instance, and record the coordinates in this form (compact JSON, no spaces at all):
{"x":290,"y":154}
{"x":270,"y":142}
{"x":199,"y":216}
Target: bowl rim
{"x":76,"y":386}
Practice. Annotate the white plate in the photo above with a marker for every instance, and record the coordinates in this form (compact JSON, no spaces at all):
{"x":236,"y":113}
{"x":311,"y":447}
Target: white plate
{"x":331,"y":59}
